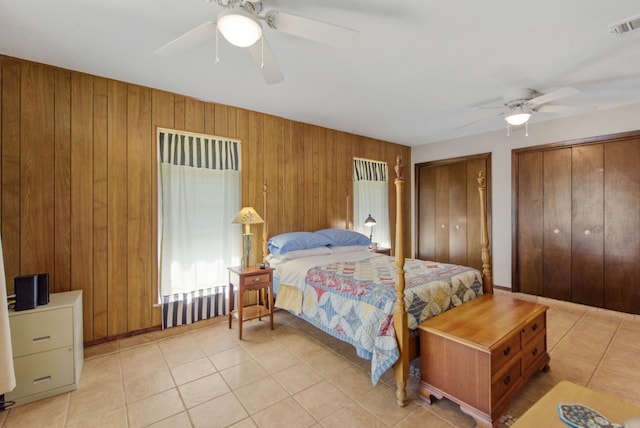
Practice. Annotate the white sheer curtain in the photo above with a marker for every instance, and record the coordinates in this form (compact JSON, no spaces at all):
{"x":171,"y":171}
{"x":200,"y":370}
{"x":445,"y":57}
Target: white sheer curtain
{"x":198,"y":197}
{"x":371,"y":196}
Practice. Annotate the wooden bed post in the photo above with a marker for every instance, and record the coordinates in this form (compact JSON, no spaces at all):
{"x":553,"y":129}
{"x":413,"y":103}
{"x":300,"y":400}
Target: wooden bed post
{"x":487,"y":279}
{"x":265,"y":232}
{"x":400,"y":322}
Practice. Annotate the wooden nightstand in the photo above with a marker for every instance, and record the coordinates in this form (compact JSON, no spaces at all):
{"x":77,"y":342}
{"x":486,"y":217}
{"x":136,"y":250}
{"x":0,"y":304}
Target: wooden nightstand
{"x":381,"y":250}
{"x":250,"y":279}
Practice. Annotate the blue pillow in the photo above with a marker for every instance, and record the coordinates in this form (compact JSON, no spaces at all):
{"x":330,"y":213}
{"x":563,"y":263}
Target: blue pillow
{"x":342,"y":237}
{"x":281,"y":244}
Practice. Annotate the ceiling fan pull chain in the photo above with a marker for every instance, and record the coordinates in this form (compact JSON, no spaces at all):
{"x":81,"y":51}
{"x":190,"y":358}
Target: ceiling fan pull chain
{"x":526,"y":129}
{"x":262,"y":53}
{"x":508,"y":129}
{"x":217,"y":33}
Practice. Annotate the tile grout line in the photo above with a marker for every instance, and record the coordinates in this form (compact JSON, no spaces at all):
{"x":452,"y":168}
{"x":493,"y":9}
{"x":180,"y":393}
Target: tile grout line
{"x":606,"y":349}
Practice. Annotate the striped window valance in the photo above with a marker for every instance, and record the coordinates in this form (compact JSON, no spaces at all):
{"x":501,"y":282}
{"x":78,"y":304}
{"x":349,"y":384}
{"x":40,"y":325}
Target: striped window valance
{"x":369,"y":170}
{"x":198,"y":150}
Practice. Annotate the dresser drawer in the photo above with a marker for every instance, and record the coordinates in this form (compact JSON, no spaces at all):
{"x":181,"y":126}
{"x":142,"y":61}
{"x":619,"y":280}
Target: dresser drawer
{"x":533,"y":327}
{"x":41,"y":331}
{"x":43,"y":372}
{"x":255,"y":280}
{"x":504,"y":352}
{"x":506,"y":381}
{"x":533,"y":349}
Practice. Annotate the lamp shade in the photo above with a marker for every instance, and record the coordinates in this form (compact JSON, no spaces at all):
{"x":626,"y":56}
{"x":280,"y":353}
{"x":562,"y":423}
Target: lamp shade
{"x":239,"y":27}
{"x":248,"y":215}
{"x":370,"y":221}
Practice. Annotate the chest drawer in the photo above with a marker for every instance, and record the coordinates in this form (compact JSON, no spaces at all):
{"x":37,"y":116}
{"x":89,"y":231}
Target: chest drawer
{"x":41,"y":331}
{"x":255,"y":280}
{"x":43,"y":372}
{"x":533,"y":350}
{"x":532,"y":328}
{"x":501,"y":384}
{"x":504,"y":352}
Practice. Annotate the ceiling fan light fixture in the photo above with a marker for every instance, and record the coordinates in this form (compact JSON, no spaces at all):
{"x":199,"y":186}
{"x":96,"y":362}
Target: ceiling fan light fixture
{"x":518,"y":117}
{"x":239,"y":27}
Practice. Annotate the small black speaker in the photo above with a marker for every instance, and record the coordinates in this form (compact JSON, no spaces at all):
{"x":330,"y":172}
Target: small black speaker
{"x":43,"y":288}
{"x":26,"y":288}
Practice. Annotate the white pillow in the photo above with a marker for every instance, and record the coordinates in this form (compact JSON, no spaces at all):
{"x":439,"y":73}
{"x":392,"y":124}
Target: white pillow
{"x":349,"y":249}
{"x":298,"y":254}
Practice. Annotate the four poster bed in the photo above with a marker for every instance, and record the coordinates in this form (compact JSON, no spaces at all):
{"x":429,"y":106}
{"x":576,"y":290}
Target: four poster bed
{"x":372,"y":301}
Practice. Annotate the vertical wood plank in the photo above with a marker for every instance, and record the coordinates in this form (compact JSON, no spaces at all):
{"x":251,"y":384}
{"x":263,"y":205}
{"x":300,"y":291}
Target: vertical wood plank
{"x":194,"y":115}
{"x":163,"y":115}
{"x":11,"y":242}
{"x":82,"y":195}
{"x":139,"y":231}
{"x":117,"y":209}
{"x":100,"y":209}
{"x":62,"y":181}
{"x":36,"y":170}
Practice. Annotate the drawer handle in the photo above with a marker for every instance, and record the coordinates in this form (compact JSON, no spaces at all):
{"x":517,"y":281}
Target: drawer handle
{"x":507,"y":351}
{"x":507,"y":380}
{"x":257,"y":279}
{"x":534,"y":327}
{"x":41,"y":339}
{"x":534,"y":352}
{"x":42,"y":379}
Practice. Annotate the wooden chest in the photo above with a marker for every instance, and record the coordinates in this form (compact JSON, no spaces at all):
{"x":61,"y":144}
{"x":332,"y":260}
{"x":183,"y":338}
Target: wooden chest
{"x":480,"y":354}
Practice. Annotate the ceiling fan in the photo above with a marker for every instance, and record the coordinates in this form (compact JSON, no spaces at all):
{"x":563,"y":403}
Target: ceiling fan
{"x":520,"y":105}
{"x":240,"y":23}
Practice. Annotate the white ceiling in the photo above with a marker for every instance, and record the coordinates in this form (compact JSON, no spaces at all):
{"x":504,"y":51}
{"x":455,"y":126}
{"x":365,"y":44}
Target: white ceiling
{"x":412,"y":75}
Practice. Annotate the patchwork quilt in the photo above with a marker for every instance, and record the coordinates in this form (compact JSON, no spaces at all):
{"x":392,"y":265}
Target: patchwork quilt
{"x":354,"y":301}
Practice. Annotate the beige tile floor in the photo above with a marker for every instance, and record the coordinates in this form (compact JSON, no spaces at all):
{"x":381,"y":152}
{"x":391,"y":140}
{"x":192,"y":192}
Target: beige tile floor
{"x":297,"y":376}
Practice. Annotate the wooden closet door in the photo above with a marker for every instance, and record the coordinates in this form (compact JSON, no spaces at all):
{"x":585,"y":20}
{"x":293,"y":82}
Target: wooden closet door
{"x":448,"y":210}
{"x":458,"y":213}
{"x":426,"y":181}
{"x":622,"y":226}
{"x":587,"y":252}
{"x":441,"y":253}
{"x":556,"y":247}
{"x":529,"y":224}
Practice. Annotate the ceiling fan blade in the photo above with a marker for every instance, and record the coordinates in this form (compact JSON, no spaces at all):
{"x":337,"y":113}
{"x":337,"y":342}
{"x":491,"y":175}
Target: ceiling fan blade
{"x":554,"y":95}
{"x":552,"y":108}
{"x":267,"y":62}
{"x":188,"y":40}
{"x":466,"y":125}
{"x":309,"y":28}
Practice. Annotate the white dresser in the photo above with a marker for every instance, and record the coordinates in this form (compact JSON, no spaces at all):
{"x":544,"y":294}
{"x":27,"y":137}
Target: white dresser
{"x":47,"y":348}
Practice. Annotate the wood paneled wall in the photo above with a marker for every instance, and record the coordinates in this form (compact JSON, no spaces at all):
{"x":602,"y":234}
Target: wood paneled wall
{"x":78,"y":182}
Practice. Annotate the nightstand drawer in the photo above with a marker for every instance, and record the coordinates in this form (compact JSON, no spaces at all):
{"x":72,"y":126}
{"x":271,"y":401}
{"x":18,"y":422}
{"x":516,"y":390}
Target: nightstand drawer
{"x":41,"y":331}
{"x":256,"y":280}
{"x":43,"y":372}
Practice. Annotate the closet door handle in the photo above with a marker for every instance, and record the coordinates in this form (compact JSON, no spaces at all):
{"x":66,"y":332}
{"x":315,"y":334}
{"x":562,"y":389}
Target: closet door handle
{"x":587,"y":232}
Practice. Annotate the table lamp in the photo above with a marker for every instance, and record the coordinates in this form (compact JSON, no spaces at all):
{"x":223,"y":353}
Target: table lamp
{"x":247,"y":216}
{"x":370,"y":222}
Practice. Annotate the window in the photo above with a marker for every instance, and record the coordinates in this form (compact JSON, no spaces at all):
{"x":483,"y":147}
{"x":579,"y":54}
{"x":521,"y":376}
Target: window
{"x":371,"y":197}
{"x":198,"y":197}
